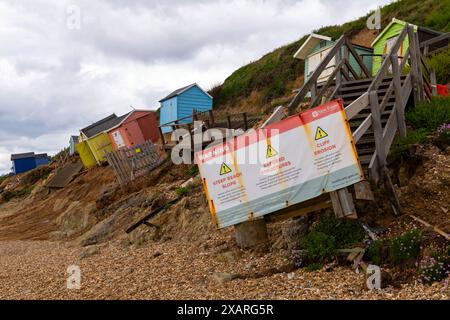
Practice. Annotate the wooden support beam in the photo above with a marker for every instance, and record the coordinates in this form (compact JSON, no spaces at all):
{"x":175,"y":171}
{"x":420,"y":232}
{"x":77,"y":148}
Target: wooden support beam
{"x":337,"y":208}
{"x":339,"y":72}
{"x":377,"y":128}
{"x":161,"y":134}
{"x":348,"y":207}
{"x":419,"y":62}
{"x":435,"y":229}
{"x":399,"y":104}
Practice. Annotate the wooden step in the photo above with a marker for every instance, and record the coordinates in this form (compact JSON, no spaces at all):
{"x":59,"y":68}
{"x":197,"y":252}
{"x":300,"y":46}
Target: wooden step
{"x":363,"y":88}
{"x":365,"y":140}
{"x":366,"y":151}
{"x":364,"y":113}
{"x":367,"y":80}
{"x":357,"y":94}
{"x":365,"y":160}
{"x":356,"y":124}
{"x":348,"y":101}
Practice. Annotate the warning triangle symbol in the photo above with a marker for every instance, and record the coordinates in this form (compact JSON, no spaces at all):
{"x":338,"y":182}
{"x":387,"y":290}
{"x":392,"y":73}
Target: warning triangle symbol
{"x":320,"y":133}
{"x":271,"y":152}
{"x":224,"y":169}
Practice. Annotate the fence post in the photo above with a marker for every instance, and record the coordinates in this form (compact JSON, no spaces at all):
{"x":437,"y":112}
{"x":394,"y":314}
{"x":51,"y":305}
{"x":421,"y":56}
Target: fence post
{"x":244,"y":115}
{"x":211,"y":117}
{"x":399,"y":103}
{"x":377,"y":129}
{"x":229,"y":121}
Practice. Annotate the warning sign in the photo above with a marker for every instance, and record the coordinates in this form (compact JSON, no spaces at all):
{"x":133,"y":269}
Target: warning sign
{"x":284,"y":164}
{"x":320,"y":133}
{"x":271,"y":152}
{"x":224,"y":169}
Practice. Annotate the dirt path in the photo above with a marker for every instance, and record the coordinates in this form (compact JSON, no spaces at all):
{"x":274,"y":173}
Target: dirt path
{"x":37,"y":270}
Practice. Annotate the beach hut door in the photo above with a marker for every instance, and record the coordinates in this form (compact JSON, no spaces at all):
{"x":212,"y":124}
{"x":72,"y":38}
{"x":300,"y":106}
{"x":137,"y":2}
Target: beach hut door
{"x":118,"y":139}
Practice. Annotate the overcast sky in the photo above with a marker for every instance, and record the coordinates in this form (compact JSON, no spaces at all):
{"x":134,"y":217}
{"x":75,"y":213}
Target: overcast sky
{"x":59,"y":73}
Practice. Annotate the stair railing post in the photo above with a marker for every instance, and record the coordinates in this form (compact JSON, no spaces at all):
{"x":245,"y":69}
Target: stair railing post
{"x":338,"y":59}
{"x":346,"y":57}
{"x":419,"y":66}
{"x":399,"y":103}
{"x":414,"y":67}
{"x":433,"y":82}
{"x":377,"y":129}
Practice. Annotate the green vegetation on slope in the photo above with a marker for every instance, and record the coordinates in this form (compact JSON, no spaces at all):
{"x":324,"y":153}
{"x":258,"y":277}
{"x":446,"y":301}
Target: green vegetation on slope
{"x":272,"y":74}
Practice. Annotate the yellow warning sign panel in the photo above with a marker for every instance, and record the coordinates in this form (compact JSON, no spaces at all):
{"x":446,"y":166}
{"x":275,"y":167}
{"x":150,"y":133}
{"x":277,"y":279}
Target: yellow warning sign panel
{"x":224,"y":169}
{"x":271,"y":152}
{"x":320,"y":133}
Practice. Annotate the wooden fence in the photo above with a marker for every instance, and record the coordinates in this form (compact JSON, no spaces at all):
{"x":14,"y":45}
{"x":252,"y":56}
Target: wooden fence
{"x":130,"y":163}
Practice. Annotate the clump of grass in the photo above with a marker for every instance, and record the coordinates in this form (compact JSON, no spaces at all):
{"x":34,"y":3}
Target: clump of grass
{"x":35,"y":175}
{"x":181,"y":191}
{"x":440,"y":62}
{"x":375,"y":252}
{"x":192,"y":171}
{"x":3,"y":178}
{"x":326,"y":237}
{"x":9,"y":195}
{"x":401,"y":146}
{"x":320,"y":247}
{"x":405,"y":247}
{"x":429,"y":116}
{"x":346,"y":231}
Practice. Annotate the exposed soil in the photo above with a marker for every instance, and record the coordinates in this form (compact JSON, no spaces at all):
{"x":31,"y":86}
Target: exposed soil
{"x":181,"y":254}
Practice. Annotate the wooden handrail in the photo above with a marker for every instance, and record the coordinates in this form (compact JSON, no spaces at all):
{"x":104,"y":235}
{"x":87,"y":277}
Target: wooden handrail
{"x":387,"y":62}
{"x":327,"y":84}
{"x":313,"y":78}
{"x":431,"y":41}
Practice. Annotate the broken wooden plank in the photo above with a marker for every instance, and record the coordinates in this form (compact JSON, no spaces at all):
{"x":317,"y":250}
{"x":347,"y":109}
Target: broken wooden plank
{"x":434,"y":228}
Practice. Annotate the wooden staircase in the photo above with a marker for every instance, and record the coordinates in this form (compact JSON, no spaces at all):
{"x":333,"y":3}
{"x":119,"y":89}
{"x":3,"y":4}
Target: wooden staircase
{"x":374,"y":105}
{"x":352,"y":90}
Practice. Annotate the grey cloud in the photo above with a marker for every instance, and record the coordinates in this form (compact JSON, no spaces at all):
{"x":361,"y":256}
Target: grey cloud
{"x":54,"y":80}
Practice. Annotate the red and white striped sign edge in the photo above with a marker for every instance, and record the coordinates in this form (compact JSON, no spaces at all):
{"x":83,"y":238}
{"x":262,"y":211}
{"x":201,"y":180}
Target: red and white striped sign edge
{"x":269,"y":131}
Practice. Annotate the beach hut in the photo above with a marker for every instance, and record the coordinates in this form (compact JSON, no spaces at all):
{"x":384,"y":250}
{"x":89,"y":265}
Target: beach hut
{"x":23,"y":162}
{"x":42,"y":159}
{"x":182,"y":102}
{"x":135,"y":128}
{"x":315,"y":49}
{"x":388,"y":36}
{"x":95,"y":140}
{"x":72,"y":143}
